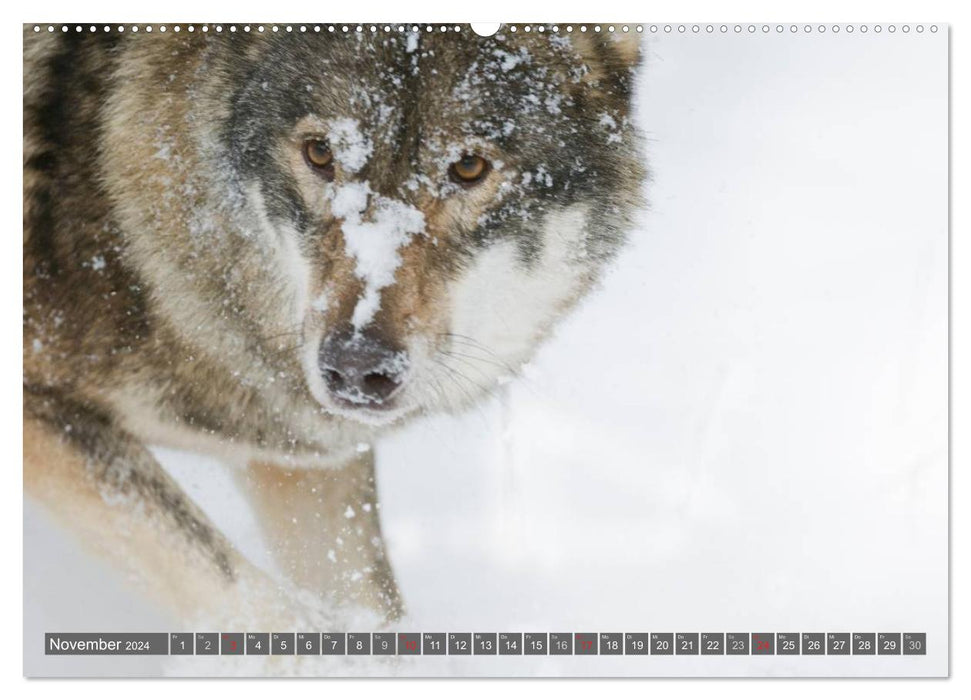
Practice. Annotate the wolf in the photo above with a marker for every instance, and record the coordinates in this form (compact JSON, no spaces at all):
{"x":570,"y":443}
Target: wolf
{"x":274,"y":247}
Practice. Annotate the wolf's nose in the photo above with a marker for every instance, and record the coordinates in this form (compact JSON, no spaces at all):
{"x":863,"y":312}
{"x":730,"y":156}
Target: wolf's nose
{"x":361,"y":370}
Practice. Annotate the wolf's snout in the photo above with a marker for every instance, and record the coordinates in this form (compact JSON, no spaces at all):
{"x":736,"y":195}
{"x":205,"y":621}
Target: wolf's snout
{"x":361,"y":370}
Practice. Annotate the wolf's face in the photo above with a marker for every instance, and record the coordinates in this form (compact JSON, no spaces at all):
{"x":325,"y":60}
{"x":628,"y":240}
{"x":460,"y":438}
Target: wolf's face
{"x":435,"y":202}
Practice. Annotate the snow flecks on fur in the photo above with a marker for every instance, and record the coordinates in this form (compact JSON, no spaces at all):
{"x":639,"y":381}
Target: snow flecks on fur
{"x":411,"y":42}
{"x":351,"y":148}
{"x":321,"y":303}
{"x":509,"y":60}
{"x":609,"y":124}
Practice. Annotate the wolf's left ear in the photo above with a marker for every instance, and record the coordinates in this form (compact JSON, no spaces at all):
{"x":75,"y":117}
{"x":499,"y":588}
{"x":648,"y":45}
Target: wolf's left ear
{"x":608,"y":55}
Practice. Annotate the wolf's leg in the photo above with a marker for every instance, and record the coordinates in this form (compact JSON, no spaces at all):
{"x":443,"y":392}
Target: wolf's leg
{"x":107,"y":489}
{"x":324,"y":529}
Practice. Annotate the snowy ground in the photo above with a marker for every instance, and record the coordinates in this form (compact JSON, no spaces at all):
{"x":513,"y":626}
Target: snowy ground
{"x":744,"y":430}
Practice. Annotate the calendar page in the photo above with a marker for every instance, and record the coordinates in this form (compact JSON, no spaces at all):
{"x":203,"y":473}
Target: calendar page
{"x":556,"y":350}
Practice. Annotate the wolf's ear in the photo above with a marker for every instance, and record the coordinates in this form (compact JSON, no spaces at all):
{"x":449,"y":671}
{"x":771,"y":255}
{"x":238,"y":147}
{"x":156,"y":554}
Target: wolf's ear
{"x":610,"y":55}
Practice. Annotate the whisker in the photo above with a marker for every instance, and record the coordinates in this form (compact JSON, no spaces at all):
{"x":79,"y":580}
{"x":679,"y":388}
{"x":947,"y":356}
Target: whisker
{"x":470,"y":341}
{"x":460,"y":355}
{"x":272,"y":355}
{"x":454,"y":375}
{"x":471,"y":404}
{"x":439,"y":389}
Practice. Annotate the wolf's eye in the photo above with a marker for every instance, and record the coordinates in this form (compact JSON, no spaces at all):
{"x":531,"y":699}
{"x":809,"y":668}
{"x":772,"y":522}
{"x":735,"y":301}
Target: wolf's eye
{"x":468,"y":170}
{"x":318,"y":155}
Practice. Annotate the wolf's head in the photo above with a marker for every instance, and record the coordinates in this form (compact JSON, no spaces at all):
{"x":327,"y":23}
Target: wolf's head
{"x":437,"y":201}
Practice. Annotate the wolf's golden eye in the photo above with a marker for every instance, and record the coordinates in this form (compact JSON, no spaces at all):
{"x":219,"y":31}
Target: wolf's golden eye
{"x":318,"y":154}
{"x":469,"y":170}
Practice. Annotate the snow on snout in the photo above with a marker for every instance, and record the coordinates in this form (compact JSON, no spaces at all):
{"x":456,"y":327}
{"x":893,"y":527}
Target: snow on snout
{"x":351,"y":147}
{"x":374,"y":243}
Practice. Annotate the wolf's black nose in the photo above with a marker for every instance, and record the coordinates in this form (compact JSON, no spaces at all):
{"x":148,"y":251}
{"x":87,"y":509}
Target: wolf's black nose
{"x":361,"y":370}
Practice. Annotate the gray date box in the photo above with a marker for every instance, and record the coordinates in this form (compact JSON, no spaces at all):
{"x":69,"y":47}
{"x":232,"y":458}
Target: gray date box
{"x":333,"y":643}
{"x":662,"y":643}
{"x":838,"y":643}
{"x":787,"y":643}
{"x":561,"y":644}
{"x":686,"y":643}
{"x":383,"y":643}
{"x":510,"y":643}
{"x":358,"y":643}
{"x":888,"y":643}
{"x":763,"y":643}
{"x":813,"y":643}
{"x":409,"y":644}
{"x":308,"y":643}
{"x":611,"y":644}
{"x":207,"y":643}
{"x":485,"y":643}
{"x":712,"y":643}
{"x":181,"y":643}
{"x":637,"y":643}
{"x":585,"y":644}
{"x":864,"y":643}
{"x":737,"y":643}
{"x":283,"y":643}
{"x":536,"y":643}
{"x":231,"y":644}
{"x":433,"y":644}
{"x":459,"y":643}
{"x":915,"y":643}
{"x":257,"y":643}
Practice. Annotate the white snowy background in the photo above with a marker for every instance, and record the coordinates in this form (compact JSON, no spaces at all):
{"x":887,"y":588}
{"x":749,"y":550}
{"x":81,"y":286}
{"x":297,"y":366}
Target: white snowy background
{"x":744,"y":430}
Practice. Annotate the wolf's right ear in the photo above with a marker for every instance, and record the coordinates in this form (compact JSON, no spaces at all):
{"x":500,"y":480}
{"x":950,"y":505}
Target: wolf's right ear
{"x":608,"y":55}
